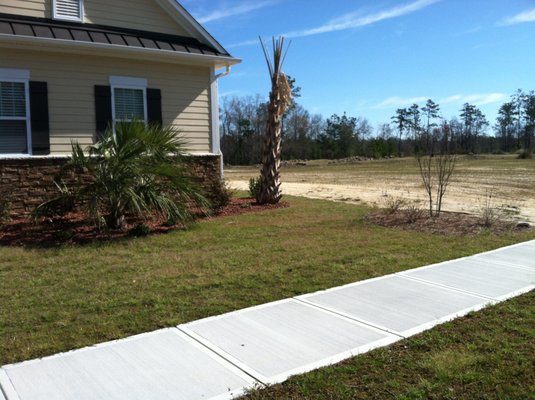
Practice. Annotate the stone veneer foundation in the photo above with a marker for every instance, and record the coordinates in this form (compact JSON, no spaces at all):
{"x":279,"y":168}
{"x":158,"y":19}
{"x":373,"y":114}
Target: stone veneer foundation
{"x":26,"y":182}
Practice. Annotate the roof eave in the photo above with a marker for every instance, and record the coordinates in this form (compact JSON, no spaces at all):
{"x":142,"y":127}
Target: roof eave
{"x":110,"y":50}
{"x":187,"y":21}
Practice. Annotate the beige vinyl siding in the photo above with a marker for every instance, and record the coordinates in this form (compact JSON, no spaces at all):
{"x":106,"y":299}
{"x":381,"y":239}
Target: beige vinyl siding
{"x":144,"y":15}
{"x":31,"y":8}
{"x":71,"y":80}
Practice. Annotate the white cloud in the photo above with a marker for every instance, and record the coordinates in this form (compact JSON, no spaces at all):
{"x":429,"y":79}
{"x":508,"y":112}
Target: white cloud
{"x":353,"y":20}
{"x":356,"y":20}
{"x":396,"y":101}
{"x":526,"y":16}
{"x":245,"y":43}
{"x":243,"y":8}
{"x":476,"y":99}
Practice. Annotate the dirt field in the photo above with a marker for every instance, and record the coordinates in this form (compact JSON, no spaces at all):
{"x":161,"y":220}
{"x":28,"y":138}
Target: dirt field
{"x":510,"y":182}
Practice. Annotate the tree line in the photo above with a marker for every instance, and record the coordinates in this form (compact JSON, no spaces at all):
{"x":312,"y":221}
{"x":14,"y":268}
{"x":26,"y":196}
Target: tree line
{"x":412,"y":129}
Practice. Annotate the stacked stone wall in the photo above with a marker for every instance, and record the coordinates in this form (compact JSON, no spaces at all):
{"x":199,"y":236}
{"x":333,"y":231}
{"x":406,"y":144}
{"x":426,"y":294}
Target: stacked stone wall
{"x":27,"y":182}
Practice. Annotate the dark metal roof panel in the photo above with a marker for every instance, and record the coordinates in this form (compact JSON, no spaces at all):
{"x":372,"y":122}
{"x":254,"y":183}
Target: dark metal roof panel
{"x":5,"y":28}
{"x":89,"y":33}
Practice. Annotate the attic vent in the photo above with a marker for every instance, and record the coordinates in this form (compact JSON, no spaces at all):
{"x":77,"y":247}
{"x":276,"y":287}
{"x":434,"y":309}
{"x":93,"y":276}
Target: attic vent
{"x":69,"y":9}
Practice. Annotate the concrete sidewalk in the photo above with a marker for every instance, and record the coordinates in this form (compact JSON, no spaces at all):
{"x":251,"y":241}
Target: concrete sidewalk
{"x":221,"y":357}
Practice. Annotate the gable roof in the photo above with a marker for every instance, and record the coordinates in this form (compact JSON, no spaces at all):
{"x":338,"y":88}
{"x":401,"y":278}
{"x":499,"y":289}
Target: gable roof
{"x":189,"y":23}
{"x":90,"y":33}
{"x":201,"y":47}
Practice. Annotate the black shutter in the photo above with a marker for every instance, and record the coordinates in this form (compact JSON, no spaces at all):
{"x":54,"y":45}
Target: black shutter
{"x":39,"y":118}
{"x":154,"y":106}
{"x":103,"y":112}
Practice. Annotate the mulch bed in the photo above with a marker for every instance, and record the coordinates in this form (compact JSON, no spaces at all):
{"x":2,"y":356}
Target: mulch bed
{"x":448,"y":224}
{"x":76,"y":228}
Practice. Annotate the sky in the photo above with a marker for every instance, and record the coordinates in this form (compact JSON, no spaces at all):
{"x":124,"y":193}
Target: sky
{"x":370,"y":57}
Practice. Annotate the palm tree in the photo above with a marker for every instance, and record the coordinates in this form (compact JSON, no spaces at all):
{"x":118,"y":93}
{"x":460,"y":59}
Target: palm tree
{"x":135,"y":170}
{"x":280,"y":99}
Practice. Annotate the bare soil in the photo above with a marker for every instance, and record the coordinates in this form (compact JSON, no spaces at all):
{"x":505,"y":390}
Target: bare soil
{"x":503,"y":183}
{"x":448,"y":224}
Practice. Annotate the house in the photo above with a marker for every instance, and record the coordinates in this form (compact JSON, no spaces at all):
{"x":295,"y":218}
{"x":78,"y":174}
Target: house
{"x":70,"y":68}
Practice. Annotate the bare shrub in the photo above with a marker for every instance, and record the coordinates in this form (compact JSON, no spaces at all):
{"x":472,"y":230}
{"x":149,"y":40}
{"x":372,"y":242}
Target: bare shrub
{"x":392,"y":204}
{"x":412,"y":213}
{"x":436,"y":165}
{"x":489,"y":213}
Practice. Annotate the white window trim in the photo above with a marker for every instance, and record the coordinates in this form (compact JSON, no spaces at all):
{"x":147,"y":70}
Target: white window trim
{"x":20,"y":76}
{"x":126,"y":82}
{"x":66,"y":18}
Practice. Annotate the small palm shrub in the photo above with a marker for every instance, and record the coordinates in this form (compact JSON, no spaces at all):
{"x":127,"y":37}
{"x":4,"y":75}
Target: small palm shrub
{"x":135,"y":170}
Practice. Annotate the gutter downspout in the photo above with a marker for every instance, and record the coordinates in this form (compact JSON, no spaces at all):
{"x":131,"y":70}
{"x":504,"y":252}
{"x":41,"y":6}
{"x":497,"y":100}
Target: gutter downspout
{"x":214,"y":99}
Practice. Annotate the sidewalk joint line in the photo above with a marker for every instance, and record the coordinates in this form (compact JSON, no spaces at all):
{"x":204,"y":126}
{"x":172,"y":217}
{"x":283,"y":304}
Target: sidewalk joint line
{"x":345,"y":316}
{"x":442,"y":286}
{"x":219,"y":353}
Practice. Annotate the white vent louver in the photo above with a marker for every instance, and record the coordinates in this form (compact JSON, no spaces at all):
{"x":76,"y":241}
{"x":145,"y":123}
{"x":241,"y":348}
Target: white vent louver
{"x":68,"y":9}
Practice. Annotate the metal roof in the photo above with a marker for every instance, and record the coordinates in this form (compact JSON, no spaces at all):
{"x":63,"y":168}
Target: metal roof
{"x":80,"y":32}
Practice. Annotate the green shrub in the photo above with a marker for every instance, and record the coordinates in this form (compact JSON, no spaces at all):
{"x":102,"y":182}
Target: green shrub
{"x":63,"y":235}
{"x":219,"y":194}
{"x":255,"y":185}
{"x":139,"y":230}
{"x":524,"y":154}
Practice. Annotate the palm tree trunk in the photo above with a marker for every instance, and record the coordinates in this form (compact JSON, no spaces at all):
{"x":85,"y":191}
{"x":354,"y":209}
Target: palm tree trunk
{"x":280,"y":99}
{"x":270,"y":192}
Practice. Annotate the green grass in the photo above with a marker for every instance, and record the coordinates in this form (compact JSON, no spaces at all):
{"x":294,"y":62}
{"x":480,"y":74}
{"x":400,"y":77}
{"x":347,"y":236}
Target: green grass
{"x":486,"y":355}
{"x":64,"y":298}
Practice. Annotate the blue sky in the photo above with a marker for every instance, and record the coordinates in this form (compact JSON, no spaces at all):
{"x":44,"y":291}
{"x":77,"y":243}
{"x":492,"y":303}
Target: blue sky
{"x":369,"y":58}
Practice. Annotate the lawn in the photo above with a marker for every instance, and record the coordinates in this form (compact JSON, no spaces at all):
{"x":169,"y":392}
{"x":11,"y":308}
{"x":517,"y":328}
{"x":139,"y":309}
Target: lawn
{"x":486,"y":355}
{"x":63,"y":298}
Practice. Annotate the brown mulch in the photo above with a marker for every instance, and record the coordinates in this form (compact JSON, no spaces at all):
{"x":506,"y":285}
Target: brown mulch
{"x":448,"y":224}
{"x":76,"y":228}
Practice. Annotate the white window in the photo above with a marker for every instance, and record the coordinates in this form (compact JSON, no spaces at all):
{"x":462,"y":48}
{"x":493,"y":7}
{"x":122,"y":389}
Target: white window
{"x":14,"y":112}
{"x":129,"y":99}
{"x":72,"y":10}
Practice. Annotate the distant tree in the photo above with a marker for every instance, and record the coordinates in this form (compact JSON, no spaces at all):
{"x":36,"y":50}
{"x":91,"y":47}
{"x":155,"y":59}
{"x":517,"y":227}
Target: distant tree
{"x":431,"y":111}
{"x":402,"y":122}
{"x":529,"y":121}
{"x":517,"y":99}
{"x":474,"y":123}
{"x":341,"y":135}
{"x":415,"y":119}
{"x":242,"y":123}
{"x":505,"y":126}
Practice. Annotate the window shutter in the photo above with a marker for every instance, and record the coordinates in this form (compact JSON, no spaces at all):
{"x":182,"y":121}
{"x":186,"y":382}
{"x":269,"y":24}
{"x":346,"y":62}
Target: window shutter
{"x":103,"y":110}
{"x":68,"y":9}
{"x":39,"y":118}
{"x":154,"y":106}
